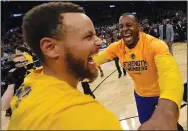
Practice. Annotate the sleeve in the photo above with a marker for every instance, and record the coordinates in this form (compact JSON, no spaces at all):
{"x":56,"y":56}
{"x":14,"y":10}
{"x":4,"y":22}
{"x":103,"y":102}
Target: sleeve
{"x":170,"y":81}
{"x":106,"y":55}
{"x":91,"y":116}
{"x":159,"y":47}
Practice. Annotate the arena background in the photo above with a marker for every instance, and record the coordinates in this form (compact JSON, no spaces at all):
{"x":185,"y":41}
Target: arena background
{"x":115,"y":94}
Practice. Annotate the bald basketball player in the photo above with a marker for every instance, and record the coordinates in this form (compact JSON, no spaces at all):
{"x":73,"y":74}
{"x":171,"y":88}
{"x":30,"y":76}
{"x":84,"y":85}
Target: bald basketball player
{"x":64,"y":39}
{"x":154,"y":71}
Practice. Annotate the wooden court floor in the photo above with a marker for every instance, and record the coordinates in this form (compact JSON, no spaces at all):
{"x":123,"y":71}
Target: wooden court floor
{"x":117,"y":94}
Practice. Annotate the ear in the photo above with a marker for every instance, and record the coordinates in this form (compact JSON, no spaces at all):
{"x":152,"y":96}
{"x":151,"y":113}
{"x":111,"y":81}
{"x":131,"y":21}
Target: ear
{"x":140,"y":27}
{"x":47,"y":46}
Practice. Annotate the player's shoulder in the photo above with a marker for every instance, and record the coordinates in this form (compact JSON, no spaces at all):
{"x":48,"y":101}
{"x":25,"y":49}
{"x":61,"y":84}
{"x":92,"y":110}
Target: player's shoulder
{"x":64,"y":95}
{"x":117,"y":44}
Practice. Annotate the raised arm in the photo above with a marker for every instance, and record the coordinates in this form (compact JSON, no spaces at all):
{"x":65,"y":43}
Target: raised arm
{"x":107,"y":54}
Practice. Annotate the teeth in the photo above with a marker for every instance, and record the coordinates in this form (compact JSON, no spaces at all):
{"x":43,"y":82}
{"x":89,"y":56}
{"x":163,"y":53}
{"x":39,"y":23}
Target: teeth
{"x":128,"y":38}
{"x":92,"y":63}
{"x":90,"y":59}
{"x":127,"y":35}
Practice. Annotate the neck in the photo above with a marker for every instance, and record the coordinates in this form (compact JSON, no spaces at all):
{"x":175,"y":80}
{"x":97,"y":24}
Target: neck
{"x":61,"y":74}
{"x":132,"y":45}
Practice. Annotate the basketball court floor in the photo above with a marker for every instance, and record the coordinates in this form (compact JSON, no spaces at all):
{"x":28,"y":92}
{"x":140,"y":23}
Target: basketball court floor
{"x":117,"y":94}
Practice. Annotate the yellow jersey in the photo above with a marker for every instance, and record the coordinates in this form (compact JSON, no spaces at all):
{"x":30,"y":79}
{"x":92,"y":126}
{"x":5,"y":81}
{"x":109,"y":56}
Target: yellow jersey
{"x":47,"y":103}
{"x":151,"y":66}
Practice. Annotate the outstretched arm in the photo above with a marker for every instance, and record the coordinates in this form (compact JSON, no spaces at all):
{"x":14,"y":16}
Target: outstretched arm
{"x":107,"y":54}
{"x":101,"y":58}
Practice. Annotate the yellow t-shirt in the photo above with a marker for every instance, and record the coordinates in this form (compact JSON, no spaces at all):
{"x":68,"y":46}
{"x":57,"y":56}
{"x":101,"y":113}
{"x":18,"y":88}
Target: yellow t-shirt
{"x":139,"y":62}
{"x":47,"y":103}
{"x":151,"y":66}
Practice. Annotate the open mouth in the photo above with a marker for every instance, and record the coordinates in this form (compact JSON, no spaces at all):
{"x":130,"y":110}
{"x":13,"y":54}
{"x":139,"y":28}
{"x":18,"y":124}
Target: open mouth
{"x":90,"y":59}
{"x":128,"y":37}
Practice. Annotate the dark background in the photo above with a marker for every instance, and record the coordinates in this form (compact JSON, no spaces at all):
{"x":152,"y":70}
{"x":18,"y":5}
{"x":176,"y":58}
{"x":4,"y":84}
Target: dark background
{"x":98,"y":11}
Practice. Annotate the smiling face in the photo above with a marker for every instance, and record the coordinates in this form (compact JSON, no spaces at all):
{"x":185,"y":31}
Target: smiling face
{"x":79,"y":45}
{"x":20,"y":61}
{"x":129,"y":30}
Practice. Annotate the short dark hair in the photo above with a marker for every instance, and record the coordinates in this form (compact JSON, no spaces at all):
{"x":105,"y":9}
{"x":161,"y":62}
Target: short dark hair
{"x":22,"y":49}
{"x":126,"y":14}
{"x":45,"y":20}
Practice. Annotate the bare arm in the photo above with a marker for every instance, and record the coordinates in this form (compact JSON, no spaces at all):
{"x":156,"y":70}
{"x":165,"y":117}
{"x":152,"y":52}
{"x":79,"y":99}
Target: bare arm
{"x":7,"y":97}
{"x":168,"y":108}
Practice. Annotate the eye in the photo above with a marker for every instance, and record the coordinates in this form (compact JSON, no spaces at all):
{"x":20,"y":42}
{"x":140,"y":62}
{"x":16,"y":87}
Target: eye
{"x":89,"y":37}
{"x":129,"y":25}
{"x":120,"y":26}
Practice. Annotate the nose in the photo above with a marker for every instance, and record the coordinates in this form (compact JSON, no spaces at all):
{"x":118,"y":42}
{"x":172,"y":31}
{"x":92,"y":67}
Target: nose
{"x":125,"y":28}
{"x":98,"y":42}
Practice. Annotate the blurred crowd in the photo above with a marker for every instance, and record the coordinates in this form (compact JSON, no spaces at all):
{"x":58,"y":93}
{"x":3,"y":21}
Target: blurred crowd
{"x":150,"y":24}
{"x":10,"y":40}
{"x":176,"y":18}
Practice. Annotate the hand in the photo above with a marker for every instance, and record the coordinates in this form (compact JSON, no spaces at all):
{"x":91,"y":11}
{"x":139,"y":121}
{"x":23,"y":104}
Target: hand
{"x":161,"y":123}
{"x":165,"y":117}
{"x":10,"y":77}
{"x":170,"y":43}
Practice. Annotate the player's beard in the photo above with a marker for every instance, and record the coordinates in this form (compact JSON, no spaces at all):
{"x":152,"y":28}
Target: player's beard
{"x":77,"y":68}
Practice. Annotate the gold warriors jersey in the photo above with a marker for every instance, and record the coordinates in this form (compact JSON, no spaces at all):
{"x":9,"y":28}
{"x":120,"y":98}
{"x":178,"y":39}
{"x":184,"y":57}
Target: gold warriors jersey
{"x":47,"y":103}
{"x":151,"y":66}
